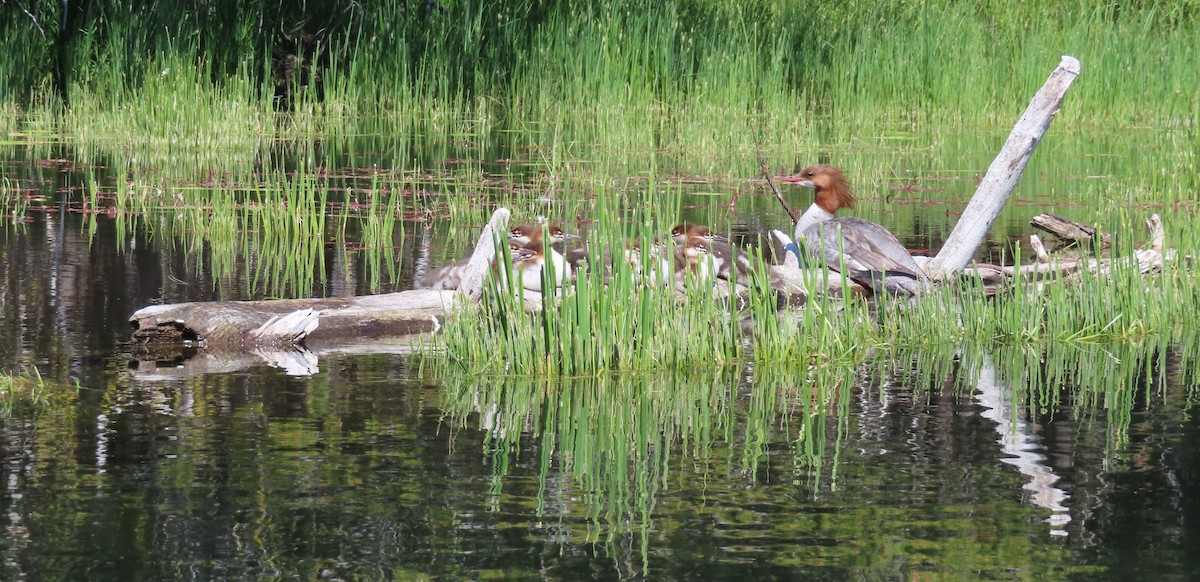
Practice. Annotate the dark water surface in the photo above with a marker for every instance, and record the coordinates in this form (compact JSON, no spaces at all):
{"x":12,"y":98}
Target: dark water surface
{"x":925,"y":465}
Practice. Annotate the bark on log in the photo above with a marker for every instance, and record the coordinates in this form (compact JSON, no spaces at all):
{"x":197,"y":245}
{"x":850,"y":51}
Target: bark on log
{"x":1002,"y":176}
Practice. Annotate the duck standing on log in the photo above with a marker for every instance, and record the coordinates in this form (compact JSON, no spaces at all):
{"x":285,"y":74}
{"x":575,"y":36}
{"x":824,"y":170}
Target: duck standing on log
{"x":864,"y":251}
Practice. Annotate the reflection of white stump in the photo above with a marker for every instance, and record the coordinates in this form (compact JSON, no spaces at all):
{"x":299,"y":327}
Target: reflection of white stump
{"x":1018,"y":441}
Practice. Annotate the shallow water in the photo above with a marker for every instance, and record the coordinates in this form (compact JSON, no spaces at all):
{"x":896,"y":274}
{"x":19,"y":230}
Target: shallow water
{"x":916,"y":465}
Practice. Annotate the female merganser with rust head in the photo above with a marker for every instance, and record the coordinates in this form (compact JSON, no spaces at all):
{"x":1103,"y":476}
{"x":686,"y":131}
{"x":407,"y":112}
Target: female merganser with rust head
{"x":872,"y":255}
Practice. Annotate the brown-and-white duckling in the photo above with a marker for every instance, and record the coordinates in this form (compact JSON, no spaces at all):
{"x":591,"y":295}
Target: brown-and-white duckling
{"x":529,"y":261}
{"x":694,"y":260}
{"x":655,"y":265}
{"x":527,"y":233}
{"x":731,"y":264}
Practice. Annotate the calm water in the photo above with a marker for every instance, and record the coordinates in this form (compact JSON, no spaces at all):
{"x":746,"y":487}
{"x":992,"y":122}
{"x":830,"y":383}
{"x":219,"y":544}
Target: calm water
{"x":923,"y":465}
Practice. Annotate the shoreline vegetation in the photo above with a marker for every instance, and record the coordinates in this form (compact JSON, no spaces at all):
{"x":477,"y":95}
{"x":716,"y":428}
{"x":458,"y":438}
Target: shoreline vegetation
{"x":194,"y":110}
{"x":671,"y":68}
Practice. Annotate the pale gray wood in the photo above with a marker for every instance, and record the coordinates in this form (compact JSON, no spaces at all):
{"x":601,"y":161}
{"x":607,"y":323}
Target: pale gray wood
{"x":472,"y":276}
{"x":243,"y":324}
{"x":1001,"y":178}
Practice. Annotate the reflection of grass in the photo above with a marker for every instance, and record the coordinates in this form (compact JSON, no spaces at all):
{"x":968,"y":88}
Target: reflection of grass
{"x":18,"y":390}
{"x":620,"y":459}
{"x":623,"y":440}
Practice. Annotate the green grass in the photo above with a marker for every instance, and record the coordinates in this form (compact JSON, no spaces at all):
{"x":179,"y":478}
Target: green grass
{"x":601,"y":324}
{"x":22,"y":391}
{"x":603,"y":106}
{"x":630,"y":76}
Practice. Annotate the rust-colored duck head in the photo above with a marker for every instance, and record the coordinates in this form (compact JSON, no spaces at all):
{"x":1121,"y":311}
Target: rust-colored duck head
{"x":527,"y":233}
{"x":831,"y":186}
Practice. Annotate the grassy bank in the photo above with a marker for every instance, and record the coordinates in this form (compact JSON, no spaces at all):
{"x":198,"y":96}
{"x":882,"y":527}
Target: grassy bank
{"x":675,"y":69}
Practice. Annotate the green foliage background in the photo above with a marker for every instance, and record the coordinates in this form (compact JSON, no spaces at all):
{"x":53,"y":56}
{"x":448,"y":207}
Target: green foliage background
{"x":845,"y":58}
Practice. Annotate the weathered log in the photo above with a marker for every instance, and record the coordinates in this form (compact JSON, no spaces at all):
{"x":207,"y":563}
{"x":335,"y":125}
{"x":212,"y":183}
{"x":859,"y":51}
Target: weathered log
{"x":1002,"y":176}
{"x":1148,"y":259}
{"x":1069,"y":231}
{"x":237,"y":325}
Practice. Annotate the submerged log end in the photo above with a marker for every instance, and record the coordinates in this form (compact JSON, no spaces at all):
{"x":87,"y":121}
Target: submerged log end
{"x":162,"y":324}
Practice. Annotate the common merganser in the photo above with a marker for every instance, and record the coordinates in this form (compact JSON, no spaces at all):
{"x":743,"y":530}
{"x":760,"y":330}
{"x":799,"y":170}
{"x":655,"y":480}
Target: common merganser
{"x":529,"y":261}
{"x":730,"y":264}
{"x":656,"y":265}
{"x":448,"y":277}
{"x":527,"y":233}
{"x":694,"y":259}
{"x":872,"y":255}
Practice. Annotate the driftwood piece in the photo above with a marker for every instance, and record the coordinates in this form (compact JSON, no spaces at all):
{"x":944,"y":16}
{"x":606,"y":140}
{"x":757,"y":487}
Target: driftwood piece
{"x":1039,"y":249}
{"x":1070,"y":231}
{"x":235,"y":325}
{"x":472,"y":277}
{"x":1148,"y":259}
{"x":1002,"y":176}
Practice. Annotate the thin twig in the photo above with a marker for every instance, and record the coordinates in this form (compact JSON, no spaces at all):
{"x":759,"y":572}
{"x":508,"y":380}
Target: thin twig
{"x":762,"y":164}
{"x":36,"y":24}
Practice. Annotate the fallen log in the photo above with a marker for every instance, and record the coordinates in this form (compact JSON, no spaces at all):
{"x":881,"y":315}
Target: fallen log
{"x":1069,"y":231}
{"x":237,"y":325}
{"x":269,"y":325}
{"x":1148,"y":259}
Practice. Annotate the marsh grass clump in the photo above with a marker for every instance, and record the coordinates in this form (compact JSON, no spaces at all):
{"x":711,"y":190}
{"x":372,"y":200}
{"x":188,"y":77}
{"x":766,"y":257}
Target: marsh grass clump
{"x":13,"y":202}
{"x":609,"y":318}
{"x":1086,"y":307}
{"x":613,"y":320}
{"x":178,"y":123}
{"x":165,"y":82}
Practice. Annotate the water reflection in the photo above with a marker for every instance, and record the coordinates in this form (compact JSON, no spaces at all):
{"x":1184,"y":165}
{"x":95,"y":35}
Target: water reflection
{"x":904,"y":465}
{"x":940,"y":462}
{"x":1024,"y":449}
